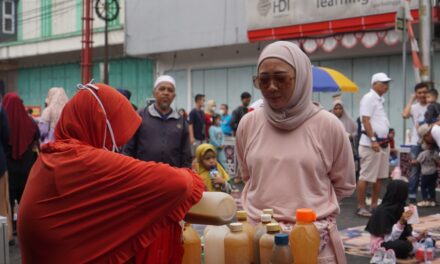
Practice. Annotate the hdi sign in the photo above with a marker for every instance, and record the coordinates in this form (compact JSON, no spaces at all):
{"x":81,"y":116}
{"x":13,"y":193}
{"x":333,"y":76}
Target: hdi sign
{"x":278,"y":13}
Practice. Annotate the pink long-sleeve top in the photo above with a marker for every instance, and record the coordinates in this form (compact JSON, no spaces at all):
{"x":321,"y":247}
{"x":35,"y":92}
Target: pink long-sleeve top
{"x":309,"y":167}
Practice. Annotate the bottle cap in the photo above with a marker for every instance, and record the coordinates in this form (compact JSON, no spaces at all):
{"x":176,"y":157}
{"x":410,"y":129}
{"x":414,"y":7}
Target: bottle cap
{"x":268,"y":211}
{"x":281,"y":239}
{"x":236,"y":227}
{"x":273,"y":227}
{"x":242,"y":215}
{"x":305,"y":215}
{"x":265,"y":218}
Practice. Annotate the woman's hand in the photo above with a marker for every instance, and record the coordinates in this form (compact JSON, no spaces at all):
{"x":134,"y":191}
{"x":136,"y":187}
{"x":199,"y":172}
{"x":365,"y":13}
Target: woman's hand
{"x":218,"y":180}
{"x":405,"y":216}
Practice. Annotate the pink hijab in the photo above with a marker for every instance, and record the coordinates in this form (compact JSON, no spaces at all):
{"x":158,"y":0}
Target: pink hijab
{"x":300,"y":107}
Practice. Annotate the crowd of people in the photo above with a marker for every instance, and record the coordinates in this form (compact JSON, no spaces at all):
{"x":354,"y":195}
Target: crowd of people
{"x":91,"y":163}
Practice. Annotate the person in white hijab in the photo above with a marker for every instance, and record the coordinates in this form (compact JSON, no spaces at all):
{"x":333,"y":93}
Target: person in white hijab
{"x":55,"y":101}
{"x":291,"y":153}
{"x":339,"y":111}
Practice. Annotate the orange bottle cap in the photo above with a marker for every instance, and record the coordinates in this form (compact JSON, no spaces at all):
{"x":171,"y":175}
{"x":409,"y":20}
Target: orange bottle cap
{"x":305,"y":215}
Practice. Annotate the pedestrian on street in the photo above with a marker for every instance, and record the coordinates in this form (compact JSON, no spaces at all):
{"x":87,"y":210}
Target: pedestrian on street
{"x":55,"y":101}
{"x":429,"y":161}
{"x":389,"y":226}
{"x":416,"y":109}
{"x":197,"y":124}
{"x":163,"y":135}
{"x":5,"y":207}
{"x":23,"y":138}
{"x":339,"y":111}
{"x":217,"y":139}
{"x":210,"y":109}
{"x":86,"y":203}
{"x":240,"y":111}
{"x":293,"y":154}
{"x":373,"y":145}
{"x":127,"y":95}
{"x":226,"y":120}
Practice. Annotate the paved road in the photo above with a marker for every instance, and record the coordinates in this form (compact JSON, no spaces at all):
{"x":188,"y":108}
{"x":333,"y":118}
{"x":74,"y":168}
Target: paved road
{"x":347,"y":218}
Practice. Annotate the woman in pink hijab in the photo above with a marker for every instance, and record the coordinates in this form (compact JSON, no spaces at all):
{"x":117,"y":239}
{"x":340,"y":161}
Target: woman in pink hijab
{"x":293,"y":154}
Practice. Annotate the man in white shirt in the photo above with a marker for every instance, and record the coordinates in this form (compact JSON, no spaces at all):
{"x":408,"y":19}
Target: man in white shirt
{"x":416,"y":110}
{"x":373,"y":149}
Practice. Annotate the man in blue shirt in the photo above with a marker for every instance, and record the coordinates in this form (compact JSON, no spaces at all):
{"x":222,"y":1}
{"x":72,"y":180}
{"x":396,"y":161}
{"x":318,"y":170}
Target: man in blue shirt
{"x":197,"y":123}
{"x":226,"y":120}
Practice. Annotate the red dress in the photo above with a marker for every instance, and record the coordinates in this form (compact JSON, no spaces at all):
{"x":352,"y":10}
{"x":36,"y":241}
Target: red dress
{"x":85,"y":204}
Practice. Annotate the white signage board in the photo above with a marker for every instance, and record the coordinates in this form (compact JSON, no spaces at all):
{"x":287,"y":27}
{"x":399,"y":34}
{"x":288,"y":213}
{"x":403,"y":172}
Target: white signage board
{"x":278,"y":13}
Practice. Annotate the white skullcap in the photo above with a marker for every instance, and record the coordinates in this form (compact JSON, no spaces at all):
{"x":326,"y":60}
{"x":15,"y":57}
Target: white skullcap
{"x":165,"y":78}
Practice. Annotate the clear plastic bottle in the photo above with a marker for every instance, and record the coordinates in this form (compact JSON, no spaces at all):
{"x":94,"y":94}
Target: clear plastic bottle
{"x":236,"y":245}
{"x":267,"y":242}
{"x":215,"y":208}
{"x":192,"y":246}
{"x":281,"y":253}
{"x":249,"y":230}
{"x":259,"y":231}
{"x":270,"y":212}
{"x":429,"y":249}
{"x":215,"y":244}
{"x":304,"y":238}
{"x":213,"y":173}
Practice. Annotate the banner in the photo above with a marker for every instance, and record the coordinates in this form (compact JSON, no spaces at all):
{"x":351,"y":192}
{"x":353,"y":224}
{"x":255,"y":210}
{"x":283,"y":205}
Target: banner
{"x":278,"y":13}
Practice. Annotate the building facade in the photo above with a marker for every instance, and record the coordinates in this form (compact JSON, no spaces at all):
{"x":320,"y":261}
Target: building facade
{"x":40,"y":47}
{"x":212,"y":46}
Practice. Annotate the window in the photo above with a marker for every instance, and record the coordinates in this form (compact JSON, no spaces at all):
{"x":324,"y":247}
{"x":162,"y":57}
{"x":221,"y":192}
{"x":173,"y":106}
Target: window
{"x":8,"y":17}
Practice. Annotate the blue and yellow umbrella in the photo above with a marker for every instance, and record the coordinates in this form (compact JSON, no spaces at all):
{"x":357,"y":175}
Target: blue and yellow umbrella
{"x":329,"y":80}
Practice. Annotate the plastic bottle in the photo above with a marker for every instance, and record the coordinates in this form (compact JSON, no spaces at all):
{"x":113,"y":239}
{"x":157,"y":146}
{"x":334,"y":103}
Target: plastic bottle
{"x":213,"y":173}
{"x":304,"y":238}
{"x":281,"y":253}
{"x":259,"y":231}
{"x":270,"y":212}
{"x":215,"y":244}
{"x":192,"y":246}
{"x":215,"y":208}
{"x":267,"y":242}
{"x":249,"y":230}
{"x":429,"y":249}
{"x":236,"y":245}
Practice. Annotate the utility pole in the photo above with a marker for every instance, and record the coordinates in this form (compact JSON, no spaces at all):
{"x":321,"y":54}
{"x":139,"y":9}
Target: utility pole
{"x":87,"y":42}
{"x":107,"y":10}
{"x":426,"y":29}
{"x":401,"y":25}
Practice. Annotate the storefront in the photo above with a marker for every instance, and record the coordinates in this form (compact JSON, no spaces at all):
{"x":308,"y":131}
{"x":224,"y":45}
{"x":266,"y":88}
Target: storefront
{"x":215,"y":49}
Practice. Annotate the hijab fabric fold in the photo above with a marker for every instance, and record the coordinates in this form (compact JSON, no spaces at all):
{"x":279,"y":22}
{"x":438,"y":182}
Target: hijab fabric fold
{"x":98,"y":206}
{"x":56,"y":100}
{"x":300,"y":107}
{"x":22,"y":127}
{"x":349,"y":125}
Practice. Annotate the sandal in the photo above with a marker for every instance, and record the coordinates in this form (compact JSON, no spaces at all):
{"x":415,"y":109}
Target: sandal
{"x":363,"y":212}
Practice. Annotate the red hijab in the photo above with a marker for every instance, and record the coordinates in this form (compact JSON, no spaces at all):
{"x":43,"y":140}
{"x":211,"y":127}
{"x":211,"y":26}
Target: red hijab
{"x":22,"y":128}
{"x":85,"y":204}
